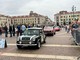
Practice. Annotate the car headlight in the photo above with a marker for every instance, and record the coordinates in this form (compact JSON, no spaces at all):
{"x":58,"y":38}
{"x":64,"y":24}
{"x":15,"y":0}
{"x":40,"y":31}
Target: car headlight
{"x":32,"y":39}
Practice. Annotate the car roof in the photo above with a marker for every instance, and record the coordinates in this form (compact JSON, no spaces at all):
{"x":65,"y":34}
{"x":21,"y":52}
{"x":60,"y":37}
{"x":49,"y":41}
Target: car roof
{"x":35,"y":28}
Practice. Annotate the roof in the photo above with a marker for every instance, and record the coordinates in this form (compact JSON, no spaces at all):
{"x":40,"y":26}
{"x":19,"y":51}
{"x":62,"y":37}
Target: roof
{"x":24,"y":16}
{"x":65,"y":12}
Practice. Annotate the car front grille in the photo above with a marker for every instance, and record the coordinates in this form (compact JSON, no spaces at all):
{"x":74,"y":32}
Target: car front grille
{"x":25,"y":40}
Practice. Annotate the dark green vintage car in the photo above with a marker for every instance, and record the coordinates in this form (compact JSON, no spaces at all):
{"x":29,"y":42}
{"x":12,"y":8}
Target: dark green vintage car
{"x":31,"y":37}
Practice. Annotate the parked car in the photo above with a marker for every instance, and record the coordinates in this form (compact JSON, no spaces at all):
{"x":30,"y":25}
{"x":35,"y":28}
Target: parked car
{"x":49,"y":30}
{"x":31,"y":37}
{"x":57,"y":28}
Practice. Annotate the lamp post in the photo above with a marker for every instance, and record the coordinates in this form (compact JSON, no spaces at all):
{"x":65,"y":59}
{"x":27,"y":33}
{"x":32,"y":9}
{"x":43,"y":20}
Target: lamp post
{"x":73,"y":10}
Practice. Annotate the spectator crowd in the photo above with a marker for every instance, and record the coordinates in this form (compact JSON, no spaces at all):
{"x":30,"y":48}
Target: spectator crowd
{"x":11,"y":30}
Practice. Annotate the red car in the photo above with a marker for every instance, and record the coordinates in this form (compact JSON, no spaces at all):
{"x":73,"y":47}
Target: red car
{"x":57,"y":28}
{"x":49,"y":30}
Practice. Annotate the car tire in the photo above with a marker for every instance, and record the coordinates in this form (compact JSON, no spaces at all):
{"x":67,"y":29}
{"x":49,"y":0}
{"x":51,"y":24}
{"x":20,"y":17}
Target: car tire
{"x":38,"y":45}
{"x":54,"y":33}
{"x":19,"y":47}
{"x":44,"y":41}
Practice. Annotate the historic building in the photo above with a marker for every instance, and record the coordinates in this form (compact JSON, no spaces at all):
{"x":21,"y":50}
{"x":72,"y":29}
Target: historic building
{"x":5,"y":20}
{"x":31,"y":19}
{"x":64,"y":17}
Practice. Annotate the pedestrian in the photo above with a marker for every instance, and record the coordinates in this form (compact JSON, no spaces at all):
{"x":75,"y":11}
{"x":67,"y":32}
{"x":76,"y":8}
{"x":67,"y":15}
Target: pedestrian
{"x":23,"y":28}
{"x":65,"y":28}
{"x":74,"y":26}
{"x":18,"y":30}
{"x":6,"y":31}
{"x":10,"y":30}
{"x":68,"y":28}
{"x":13,"y":27}
{"x":0,"y":30}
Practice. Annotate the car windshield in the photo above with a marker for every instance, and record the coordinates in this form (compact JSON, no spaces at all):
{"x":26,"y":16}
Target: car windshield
{"x":31,"y":32}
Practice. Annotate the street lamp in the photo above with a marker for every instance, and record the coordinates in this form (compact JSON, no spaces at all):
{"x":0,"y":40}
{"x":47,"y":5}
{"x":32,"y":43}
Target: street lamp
{"x":73,"y":10}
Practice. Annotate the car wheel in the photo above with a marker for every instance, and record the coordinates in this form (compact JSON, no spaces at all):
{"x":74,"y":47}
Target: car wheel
{"x":19,"y":47}
{"x":54,"y":33}
{"x":38,"y":44}
{"x":44,"y":41}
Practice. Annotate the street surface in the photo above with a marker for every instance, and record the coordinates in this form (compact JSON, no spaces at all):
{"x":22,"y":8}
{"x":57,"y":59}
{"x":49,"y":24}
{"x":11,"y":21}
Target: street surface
{"x":57,"y":47}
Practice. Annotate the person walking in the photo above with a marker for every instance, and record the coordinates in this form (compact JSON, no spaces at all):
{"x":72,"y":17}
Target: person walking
{"x":68,"y":28}
{"x":6,"y":31}
{"x":13,"y":28}
{"x":10,"y":30}
{"x":18,"y":30}
{"x":23,"y":28}
{"x":0,"y":31}
{"x":74,"y":26}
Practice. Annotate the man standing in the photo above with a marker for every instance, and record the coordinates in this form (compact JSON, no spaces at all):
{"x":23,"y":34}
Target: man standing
{"x":74,"y":26}
{"x":10,"y":30}
{"x":23,"y":28}
{"x":6,"y":30}
{"x":18,"y":30}
{"x":13,"y":30}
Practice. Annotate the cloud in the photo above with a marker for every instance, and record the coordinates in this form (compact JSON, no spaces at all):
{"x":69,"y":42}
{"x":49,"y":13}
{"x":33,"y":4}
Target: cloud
{"x":44,"y":7}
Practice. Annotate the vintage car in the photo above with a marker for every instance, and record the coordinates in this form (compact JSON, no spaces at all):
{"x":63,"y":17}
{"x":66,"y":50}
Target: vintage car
{"x":49,"y":30}
{"x":31,"y":37}
{"x":57,"y":28}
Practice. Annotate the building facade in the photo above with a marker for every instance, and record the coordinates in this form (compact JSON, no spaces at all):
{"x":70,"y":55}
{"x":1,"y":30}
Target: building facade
{"x":65,"y":18}
{"x":31,"y":19}
{"x":5,"y":20}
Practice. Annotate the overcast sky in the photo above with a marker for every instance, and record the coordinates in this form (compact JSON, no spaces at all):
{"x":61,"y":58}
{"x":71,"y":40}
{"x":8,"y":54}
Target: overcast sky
{"x":44,"y":7}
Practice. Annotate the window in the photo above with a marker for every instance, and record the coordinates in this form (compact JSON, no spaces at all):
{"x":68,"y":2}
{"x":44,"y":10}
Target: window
{"x":61,"y":17}
{"x":77,"y":15}
{"x":69,"y":19}
{"x":8,"y":20}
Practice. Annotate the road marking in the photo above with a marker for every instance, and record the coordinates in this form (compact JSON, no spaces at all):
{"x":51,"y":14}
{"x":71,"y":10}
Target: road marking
{"x":52,"y":45}
{"x":40,"y":56}
{"x":61,"y":33}
{"x":62,"y":36}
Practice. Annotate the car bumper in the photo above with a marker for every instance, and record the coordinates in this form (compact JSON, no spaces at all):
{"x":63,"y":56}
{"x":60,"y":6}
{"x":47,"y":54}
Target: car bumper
{"x":27,"y":44}
{"x":57,"y":29}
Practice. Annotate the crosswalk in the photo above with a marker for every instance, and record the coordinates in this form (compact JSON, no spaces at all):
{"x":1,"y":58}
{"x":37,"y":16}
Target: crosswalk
{"x":61,"y":57}
{"x":39,"y":56}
